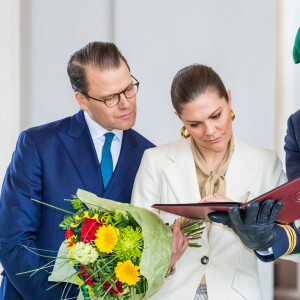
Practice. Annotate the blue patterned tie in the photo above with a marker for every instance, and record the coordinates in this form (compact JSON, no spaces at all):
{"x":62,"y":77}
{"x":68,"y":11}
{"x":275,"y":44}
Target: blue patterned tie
{"x":106,"y":164}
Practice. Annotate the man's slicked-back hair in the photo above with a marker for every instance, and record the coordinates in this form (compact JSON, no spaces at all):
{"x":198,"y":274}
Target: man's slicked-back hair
{"x":100,"y":55}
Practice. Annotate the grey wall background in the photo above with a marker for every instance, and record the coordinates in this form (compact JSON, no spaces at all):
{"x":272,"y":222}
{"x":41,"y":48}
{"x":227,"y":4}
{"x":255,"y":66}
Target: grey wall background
{"x":237,"y":38}
{"x":158,"y":38}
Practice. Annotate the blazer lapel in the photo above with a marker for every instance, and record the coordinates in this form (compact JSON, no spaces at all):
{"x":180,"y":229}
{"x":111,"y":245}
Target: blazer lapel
{"x":80,"y":148}
{"x":239,"y":179}
{"x":182,"y":177}
{"x":181,"y":174}
{"x":239,"y":175}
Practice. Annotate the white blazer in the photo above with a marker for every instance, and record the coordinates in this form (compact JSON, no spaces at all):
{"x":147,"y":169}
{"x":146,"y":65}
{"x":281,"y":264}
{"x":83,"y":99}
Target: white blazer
{"x":167,"y":174}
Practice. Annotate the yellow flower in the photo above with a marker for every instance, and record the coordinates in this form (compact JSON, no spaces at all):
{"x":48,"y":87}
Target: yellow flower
{"x":105,"y":218}
{"x":70,"y":243}
{"x":86,"y":215}
{"x":79,"y":281}
{"x":107,"y":237}
{"x":127,"y":272}
{"x":73,"y":225}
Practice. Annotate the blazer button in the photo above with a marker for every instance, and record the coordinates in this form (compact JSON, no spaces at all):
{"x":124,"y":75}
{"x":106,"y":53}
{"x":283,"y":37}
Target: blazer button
{"x":204,"y":260}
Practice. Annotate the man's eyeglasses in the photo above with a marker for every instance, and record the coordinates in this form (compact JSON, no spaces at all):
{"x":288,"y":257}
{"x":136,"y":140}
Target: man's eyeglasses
{"x":113,"y":100}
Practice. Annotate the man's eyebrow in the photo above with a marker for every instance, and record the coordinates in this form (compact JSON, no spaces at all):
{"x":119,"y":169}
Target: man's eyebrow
{"x":103,"y":97}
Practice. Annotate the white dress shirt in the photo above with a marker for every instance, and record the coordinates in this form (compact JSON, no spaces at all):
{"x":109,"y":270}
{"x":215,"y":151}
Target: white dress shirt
{"x":97,"y":133}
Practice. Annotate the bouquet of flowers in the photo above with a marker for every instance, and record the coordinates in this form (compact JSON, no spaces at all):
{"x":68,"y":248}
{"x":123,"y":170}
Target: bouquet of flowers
{"x":115,"y":250}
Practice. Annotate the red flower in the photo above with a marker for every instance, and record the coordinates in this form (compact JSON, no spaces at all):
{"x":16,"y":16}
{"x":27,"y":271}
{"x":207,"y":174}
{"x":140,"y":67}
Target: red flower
{"x":69,"y":233}
{"x":88,"y":279}
{"x":88,"y":230}
{"x":113,"y":291}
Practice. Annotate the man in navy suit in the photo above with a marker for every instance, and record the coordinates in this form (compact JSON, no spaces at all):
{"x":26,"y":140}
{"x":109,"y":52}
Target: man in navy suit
{"x":52,"y":161}
{"x":257,"y":228}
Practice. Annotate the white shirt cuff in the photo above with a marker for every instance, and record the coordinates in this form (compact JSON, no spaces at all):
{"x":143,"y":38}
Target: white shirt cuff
{"x":266,"y":252}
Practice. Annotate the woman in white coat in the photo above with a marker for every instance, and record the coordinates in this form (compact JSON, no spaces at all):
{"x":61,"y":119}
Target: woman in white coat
{"x":208,"y":160}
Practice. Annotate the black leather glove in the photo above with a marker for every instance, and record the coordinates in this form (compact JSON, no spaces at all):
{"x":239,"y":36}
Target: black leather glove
{"x":256,"y":226}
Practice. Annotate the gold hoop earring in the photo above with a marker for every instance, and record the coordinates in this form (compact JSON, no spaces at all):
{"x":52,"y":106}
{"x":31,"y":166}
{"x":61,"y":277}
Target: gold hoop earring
{"x":232,"y":115}
{"x":185,"y":136}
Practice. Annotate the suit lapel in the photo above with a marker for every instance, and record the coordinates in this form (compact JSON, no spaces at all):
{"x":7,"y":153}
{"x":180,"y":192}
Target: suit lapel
{"x":126,"y":158}
{"x":80,"y":148}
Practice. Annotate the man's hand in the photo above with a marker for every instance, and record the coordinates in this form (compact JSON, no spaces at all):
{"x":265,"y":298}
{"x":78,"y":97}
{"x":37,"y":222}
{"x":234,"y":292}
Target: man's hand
{"x":179,"y":244}
{"x":256,"y":226}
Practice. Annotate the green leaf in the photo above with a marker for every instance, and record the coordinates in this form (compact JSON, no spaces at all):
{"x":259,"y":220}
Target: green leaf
{"x":63,"y":269}
{"x":76,"y":203}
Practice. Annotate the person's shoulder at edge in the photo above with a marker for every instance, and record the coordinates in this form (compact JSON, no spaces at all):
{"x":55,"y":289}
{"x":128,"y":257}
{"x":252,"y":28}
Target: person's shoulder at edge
{"x":52,"y":127}
{"x":295,"y":117}
{"x":255,"y":153}
{"x":46,"y":134}
{"x":265,"y":164}
{"x":293,"y":126}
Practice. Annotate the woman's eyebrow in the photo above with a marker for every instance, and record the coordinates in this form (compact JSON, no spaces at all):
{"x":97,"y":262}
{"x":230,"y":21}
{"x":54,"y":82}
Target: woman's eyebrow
{"x":214,"y":112}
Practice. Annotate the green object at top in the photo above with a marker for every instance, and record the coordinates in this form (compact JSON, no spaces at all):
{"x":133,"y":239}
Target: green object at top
{"x":296,"y":51}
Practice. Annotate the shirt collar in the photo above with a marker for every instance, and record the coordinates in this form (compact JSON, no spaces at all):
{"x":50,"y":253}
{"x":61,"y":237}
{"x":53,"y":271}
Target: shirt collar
{"x":98,"y":131}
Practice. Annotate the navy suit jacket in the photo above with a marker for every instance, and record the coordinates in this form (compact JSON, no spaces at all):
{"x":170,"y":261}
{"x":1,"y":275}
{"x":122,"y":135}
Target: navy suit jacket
{"x":285,"y":238}
{"x":49,"y":164}
{"x":292,"y":146}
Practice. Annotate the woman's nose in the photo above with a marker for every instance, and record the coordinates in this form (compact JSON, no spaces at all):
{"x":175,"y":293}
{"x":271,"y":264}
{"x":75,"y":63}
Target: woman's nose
{"x":209,"y":129}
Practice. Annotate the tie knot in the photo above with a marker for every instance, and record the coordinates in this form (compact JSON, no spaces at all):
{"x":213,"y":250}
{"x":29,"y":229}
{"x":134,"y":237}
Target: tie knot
{"x":109,"y":137}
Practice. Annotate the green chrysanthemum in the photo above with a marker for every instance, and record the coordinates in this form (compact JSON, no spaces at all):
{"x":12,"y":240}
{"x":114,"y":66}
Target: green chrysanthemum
{"x":130,"y":244}
{"x":121,"y":214}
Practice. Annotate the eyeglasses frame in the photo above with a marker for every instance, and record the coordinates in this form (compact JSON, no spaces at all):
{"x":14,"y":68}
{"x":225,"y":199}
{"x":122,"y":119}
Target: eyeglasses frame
{"x":117,"y":94}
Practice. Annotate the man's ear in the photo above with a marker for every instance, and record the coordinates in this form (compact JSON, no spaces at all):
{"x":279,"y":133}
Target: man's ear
{"x":81,"y":100}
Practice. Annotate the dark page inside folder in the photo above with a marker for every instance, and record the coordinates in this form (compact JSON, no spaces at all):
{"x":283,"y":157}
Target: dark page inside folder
{"x":289,"y":193}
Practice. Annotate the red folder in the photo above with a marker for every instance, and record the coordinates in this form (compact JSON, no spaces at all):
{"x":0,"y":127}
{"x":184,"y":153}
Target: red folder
{"x":289,"y":193}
